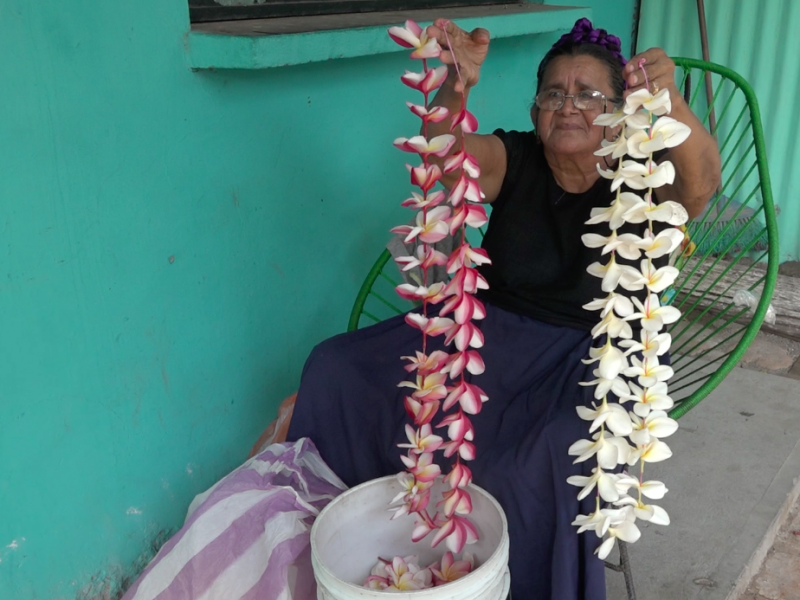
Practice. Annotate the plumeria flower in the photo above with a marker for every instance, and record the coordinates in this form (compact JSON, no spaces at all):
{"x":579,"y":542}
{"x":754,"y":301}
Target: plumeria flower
{"x":612,"y":361}
{"x":614,"y":274}
{"x":640,"y":119}
{"x":666,"y":212}
{"x":462,"y":160}
{"x":459,"y":476}
{"x":422,"y":466}
{"x":456,"y":501}
{"x":665,"y":133}
{"x":605,"y":482}
{"x":456,"y":533}
{"x":612,"y":119}
{"x":406,"y":576}
{"x":432,"y":326}
{"x":598,"y":521}
{"x":432,"y":294}
{"x":653,"y":315}
{"x":650,"y":344}
{"x":625,"y":530}
{"x":614,"y":214}
{"x":649,"y":398}
{"x":464,"y":308}
{"x":656,"y":425}
{"x":658,"y":104}
{"x":426,"y":364}
{"x":464,"y":335}
{"x":452,"y":569}
{"x":423,"y":176}
{"x":648,"y":371}
{"x":421,"y":412}
{"x":424,"y":257}
{"x":468,"y":395}
{"x":421,"y":440}
{"x":434,"y":114}
{"x":414,"y":36}
{"x":610,"y":451}
{"x":438,"y":146}
{"x":655,"y":451}
{"x":468,"y":360}
{"x":613,"y":326}
{"x":612,"y":415}
{"x":413,"y":498}
{"x":655,"y":279}
{"x":465,"y":188}
{"x":466,"y":280}
{"x":618,"y":386}
{"x":664,"y":243}
{"x":616,"y":148}
{"x":464,"y":448}
{"x":428,"y":388}
{"x":655,"y":490}
{"x":467,"y":121}
{"x":467,"y":256}
{"x":473,"y":215}
{"x":645,"y":512}
{"x":418,"y":201}
{"x":459,"y":427}
{"x":423,"y":527}
{"x":425,"y":82}
{"x":620,"y":304}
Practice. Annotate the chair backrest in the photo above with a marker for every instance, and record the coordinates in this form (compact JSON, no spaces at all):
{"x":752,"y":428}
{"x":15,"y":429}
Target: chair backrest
{"x":732,"y":247}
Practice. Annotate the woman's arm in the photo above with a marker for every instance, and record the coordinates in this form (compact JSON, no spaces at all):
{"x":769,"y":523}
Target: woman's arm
{"x":697,"y":161}
{"x":470,"y":50}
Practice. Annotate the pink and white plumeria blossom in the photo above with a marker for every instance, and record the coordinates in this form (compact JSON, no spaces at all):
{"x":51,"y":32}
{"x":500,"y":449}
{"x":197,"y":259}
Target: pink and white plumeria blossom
{"x":438,"y":378}
{"x":631,"y":369}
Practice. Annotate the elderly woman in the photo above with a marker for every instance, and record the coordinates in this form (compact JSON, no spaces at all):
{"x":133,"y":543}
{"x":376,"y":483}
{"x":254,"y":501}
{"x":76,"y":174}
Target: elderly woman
{"x":543,"y":185}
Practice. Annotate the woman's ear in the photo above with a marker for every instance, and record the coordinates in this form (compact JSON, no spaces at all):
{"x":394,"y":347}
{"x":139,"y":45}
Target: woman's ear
{"x":535,"y":116}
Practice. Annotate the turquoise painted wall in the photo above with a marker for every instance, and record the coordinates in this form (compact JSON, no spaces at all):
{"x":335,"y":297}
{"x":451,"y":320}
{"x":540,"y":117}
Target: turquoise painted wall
{"x":172,"y":245}
{"x":759,"y":40}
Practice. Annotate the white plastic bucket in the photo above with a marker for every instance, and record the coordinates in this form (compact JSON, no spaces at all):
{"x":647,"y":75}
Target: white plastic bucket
{"x":355,"y":529}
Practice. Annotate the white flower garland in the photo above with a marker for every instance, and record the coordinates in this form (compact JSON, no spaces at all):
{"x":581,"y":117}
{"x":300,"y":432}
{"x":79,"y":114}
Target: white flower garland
{"x":627,"y":368}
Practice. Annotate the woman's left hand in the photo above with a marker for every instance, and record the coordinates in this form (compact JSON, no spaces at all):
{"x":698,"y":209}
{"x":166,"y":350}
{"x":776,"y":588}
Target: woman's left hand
{"x":660,"y":72}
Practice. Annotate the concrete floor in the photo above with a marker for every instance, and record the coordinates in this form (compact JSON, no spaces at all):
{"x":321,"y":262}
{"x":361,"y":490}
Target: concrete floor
{"x":732,"y":478}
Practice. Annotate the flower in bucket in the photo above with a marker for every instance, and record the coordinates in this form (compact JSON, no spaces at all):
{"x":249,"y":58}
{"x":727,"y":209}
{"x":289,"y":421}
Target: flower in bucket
{"x":438,"y":379}
{"x":629,"y":419}
{"x":405,"y":574}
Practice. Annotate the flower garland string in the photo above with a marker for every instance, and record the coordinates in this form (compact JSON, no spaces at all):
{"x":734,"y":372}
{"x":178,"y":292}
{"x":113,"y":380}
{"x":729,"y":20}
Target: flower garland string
{"x":439,"y":215}
{"x":619,"y":436}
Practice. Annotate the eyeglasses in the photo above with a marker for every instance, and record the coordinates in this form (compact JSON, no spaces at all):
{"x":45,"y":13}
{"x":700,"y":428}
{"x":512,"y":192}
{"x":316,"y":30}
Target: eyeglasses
{"x":585,"y":100}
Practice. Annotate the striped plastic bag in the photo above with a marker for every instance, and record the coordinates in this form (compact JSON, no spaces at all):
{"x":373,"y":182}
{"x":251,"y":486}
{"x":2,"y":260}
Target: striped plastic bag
{"x":247,"y":538}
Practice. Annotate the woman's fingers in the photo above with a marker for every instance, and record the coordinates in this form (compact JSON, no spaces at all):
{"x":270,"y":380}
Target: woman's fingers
{"x":658,"y":66}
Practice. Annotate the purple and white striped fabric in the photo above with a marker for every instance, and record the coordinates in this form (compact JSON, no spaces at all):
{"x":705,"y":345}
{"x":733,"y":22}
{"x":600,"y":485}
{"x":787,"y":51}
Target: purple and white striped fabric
{"x":247,"y":538}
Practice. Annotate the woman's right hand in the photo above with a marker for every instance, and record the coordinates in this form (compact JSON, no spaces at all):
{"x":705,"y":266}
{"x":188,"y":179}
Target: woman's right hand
{"x":470,"y":50}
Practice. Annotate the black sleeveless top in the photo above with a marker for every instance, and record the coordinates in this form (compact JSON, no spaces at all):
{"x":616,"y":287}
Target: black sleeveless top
{"x":534,"y":240}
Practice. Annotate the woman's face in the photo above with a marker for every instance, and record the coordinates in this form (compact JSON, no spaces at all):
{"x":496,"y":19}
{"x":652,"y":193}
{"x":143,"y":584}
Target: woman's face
{"x":569,"y":130}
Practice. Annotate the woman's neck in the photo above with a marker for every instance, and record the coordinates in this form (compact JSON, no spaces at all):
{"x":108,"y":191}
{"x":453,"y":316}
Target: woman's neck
{"x":573,"y":173}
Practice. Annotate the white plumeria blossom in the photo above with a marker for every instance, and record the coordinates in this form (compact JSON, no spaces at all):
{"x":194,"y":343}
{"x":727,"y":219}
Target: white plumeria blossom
{"x":647,"y":399}
{"x":655,"y":426}
{"x":613,"y":415}
{"x":632,"y":369}
{"x":620,"y":304}
{"x":658,"y":104}
{"x":606,"y":485}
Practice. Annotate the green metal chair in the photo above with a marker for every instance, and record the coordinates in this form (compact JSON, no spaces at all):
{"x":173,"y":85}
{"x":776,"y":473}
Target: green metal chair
{"x":733,"y":246}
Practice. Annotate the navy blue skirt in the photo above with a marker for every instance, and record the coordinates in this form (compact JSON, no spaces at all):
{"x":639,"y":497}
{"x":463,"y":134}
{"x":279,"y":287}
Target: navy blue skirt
{"x":350,"y":406}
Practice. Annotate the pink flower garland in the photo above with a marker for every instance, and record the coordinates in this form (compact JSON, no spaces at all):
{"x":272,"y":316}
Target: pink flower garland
{"x":441,"y":214}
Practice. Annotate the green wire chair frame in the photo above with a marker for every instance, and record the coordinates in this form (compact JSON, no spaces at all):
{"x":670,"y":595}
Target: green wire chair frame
{"x":772,"y":254}
{"x":727,"y":316}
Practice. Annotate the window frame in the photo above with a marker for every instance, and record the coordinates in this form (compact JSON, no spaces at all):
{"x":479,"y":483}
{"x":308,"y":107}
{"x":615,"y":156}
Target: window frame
{"x":204,"y":11}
